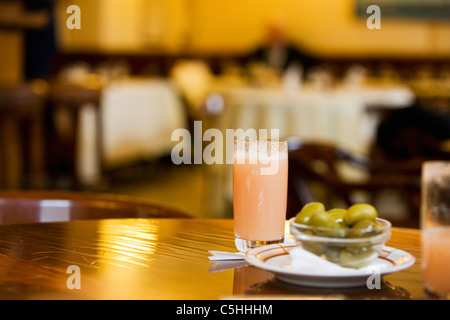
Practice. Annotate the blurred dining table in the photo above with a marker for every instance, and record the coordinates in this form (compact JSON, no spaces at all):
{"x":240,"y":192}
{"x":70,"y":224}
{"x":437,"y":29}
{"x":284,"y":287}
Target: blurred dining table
{"x":344,"y":115}
{"x":135,"y":120}
{"x":161,"y":259}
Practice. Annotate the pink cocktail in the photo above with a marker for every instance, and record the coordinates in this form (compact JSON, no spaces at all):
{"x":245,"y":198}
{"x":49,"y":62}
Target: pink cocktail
{"x":436,"y":260}
{"x":435,"y":219}
{"x":260,"y":173}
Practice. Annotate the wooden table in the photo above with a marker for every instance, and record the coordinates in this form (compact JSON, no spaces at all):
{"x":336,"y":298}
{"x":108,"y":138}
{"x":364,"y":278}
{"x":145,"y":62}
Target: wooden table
{"x":165,"y":259}
{"x":22,"y":141}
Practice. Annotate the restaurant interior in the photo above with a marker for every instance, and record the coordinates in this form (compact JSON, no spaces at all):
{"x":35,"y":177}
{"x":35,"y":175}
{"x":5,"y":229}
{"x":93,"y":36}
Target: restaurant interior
{"x":91,"y":97}
{"x":118,"y":123}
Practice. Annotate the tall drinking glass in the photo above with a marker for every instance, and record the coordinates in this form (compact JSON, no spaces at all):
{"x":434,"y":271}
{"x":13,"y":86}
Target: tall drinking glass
{"x":435,"y":224}
{"x":260,"y":173}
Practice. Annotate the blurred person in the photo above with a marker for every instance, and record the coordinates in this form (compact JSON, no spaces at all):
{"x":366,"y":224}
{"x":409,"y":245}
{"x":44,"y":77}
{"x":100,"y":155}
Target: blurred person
{"x":277,"y":52}
{"x":40,"y":44}
{"x":415,"y":132}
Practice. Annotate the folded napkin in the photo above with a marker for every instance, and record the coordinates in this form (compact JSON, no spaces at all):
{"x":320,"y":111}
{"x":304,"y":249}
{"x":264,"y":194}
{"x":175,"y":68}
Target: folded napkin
{"x":226,"y":260}
{"x":308,"y":262}
{"x":223,"y":255}
{"x":226,"y":265}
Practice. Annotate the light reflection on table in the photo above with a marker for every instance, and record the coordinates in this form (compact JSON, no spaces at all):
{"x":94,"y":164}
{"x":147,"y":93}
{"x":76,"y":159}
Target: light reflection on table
{"x":160,"y":259}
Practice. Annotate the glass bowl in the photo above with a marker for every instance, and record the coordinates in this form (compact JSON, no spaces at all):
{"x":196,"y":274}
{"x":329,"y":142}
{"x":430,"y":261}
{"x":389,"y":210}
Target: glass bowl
{"x":346,"y":247}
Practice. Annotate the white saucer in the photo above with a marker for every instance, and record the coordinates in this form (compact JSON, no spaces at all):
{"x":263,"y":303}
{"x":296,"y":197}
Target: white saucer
{"x":275,"y":258}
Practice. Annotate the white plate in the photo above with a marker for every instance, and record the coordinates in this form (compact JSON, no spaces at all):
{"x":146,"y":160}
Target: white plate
{"x":275,"y":258}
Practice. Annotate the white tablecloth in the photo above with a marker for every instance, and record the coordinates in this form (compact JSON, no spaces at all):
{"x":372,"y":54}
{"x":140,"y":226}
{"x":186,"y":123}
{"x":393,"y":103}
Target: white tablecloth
{"x":138,"y":117}
{"x":338,"y":116}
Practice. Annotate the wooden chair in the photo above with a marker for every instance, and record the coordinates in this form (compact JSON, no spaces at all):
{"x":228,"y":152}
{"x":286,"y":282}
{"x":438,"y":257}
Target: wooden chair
{"x":50,"y":206}
{"x":21,"y":136}
{"x":319,"y":162}
{"x":68,"y":100}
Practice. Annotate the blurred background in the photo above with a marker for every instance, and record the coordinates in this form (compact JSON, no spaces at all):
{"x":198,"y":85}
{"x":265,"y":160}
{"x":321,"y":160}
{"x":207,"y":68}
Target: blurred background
{"x":94,"y":109}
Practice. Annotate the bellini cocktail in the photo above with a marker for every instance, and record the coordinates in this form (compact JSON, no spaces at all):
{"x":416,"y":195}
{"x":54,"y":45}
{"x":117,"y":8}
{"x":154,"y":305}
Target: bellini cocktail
{"x":436,"y":260}
{"x":260,"y":173}
{"x":436,"y":227}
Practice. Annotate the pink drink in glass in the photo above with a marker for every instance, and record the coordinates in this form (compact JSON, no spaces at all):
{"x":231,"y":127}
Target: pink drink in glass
{"x":436,"y":260}
{"x":260,"y":193}
{"x":435,"y":226}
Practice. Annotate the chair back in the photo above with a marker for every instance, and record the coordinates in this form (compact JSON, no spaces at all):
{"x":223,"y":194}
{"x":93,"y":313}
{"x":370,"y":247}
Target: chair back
{"x":322,"y":163}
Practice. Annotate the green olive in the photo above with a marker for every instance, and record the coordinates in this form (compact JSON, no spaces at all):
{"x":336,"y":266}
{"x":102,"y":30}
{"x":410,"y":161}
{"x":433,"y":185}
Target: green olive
{"x":323,"y":220}
{"x":332,"y":253}
{"x":358,"y":247}
{"x":357,"y":260}
{"x":303,"y":217}
{"x":365,"y":224}
{"x":359,"y":212}
{"x":365,"y":228}
{"x":376,"y":224}
{"x":337,"y":214}
{"x":313,"y":247}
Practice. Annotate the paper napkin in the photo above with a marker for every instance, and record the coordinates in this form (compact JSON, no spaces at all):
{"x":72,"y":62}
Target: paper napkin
{"x":223,"y":255}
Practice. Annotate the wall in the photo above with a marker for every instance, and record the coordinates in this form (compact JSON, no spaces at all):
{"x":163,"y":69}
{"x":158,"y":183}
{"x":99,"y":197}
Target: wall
{"x":325,"y":27}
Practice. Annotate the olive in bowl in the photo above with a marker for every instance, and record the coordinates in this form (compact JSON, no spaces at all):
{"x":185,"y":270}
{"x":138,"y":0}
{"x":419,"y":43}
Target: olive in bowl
{"x":350,"y":237}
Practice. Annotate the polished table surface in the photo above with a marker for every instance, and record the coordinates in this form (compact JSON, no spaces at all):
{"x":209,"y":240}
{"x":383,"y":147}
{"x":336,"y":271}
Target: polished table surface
{"x":165,"y":259}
